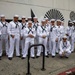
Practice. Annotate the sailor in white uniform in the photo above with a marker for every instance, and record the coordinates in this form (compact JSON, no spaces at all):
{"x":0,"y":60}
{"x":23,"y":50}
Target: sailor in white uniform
{"x":69,"y":32}
{"x":73,"y":37}
{"x":60,"y":33}
{"x":48,"y":27}
{"x":42,"y":33}
{"x":23,"y":26}
{"x":14,"y":30}
{"x":65,"y":47}
{"x":35,"y":25}
{"x":29,"y":34}
{"x":3,"y":35}
{"x":53,"y":38}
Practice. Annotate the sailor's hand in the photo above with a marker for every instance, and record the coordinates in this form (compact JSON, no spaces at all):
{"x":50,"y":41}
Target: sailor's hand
{"x":12,"y":36}
{"x":56,"y":40}
{"x":67,"y":35}
{"x":21,"y":37}
{"x":30,"y":35}
{"x":44,"y":36}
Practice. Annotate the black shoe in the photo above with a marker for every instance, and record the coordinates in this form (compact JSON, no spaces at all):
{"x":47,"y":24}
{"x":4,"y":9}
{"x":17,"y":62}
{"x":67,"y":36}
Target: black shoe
{"x":33,"y":57}
{"x":66,"y":57}
{"x":37,"y":56}
{"x":18,"y":56}
{"x":47,"y":56}
{"x":10,"y":58}
{"x":0,"y":57}
{"x":23,"y":58}
{"x":56,"y":52}
{"x":53,"y":56}
{"x":61,"y":56}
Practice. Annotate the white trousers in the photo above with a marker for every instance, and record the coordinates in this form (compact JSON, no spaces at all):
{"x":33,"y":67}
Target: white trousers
{"x":72,"y":43}
{"x":66,"y":54}
{"x":27,"y":44}
{"x":4,"y":42}
{"x":52,"y":47}
{"x":44,"y":42}
{"x":22,"y":44}
{"x":14,"y":42}
{"x":57,"y":45}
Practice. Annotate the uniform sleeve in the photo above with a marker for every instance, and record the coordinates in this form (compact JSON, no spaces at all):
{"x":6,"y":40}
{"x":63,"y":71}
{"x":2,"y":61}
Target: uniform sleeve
{"x":20,"y":27}
{"x":56,"y":33}
{"x":39,"y":32}
{"x":60,"y":46}
{"x":25,"y":32}
{"x":34,"y":33}
{"x":9,"y":29}
{"x":69,"y":46}
{"x":66,"y":30}
{"x":47,"y":32}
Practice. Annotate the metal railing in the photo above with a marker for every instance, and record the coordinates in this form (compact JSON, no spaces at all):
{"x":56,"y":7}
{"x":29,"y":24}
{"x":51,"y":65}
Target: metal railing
{"x":28,"y":61}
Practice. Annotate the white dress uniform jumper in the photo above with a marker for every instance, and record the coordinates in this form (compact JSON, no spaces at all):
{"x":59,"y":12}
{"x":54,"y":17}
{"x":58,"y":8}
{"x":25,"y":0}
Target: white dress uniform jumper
{"x":14,"y":29}
{"x":65,"y":47}
{"x":29,"y":41}
{"x":42,"y":31}
{"x":4,"y":37}
{"x":23,"y":26}
{"x":52,"y":40}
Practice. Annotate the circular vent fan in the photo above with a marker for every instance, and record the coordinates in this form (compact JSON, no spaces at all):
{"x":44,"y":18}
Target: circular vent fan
{"x":54,"y":14}
{"x":72,"y":15}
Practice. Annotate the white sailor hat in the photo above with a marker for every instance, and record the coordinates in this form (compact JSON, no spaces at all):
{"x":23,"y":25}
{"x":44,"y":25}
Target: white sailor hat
{"x":46,"y":18}
{"x":35,"y":17}
{"x":43,"y":20}
{"x":23,"y":17}
{"x":2,"y":15}
{"x":74,"y":21}
{"x":52,"y":20}
{"x":16,"y":16}
{"x":58,"y":20}
{"x":29,"y":22}
{"x":29,"y":17}
{"x":65,"y":36}
{"x":71,"y":22}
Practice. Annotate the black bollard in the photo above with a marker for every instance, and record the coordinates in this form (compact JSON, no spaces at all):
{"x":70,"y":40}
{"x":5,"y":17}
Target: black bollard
{"x":28,"y":60}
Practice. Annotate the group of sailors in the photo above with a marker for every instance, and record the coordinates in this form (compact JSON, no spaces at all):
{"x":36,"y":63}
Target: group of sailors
{"x":18,"y":36}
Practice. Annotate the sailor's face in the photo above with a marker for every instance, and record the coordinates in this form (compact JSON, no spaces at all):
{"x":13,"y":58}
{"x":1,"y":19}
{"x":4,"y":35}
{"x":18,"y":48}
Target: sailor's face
{"x":64,"y":39}
{"x":58,"y":23}
{"x":35,"y":19}
{"x":52,"y":22}
{"x":2,"y":18}
{"x":30,"y":24}
{"x":43,"y":23}
{"x":23,"y":20}
{"x":15,"y":19}
{"x":46,"y":21}
{"x":29,"y":19}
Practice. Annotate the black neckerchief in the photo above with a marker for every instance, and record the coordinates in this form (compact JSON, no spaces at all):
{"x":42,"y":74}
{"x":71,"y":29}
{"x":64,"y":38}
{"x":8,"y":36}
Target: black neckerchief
{"x":16,"y":24}
{"x":52,"y":28}
{"x":65,"y":45}
{"x":4,"y":25}
{"x":34,"y":26}
{"x":30,"y":30}
{"x":23,"y":25}
{"x":43,"y":29}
